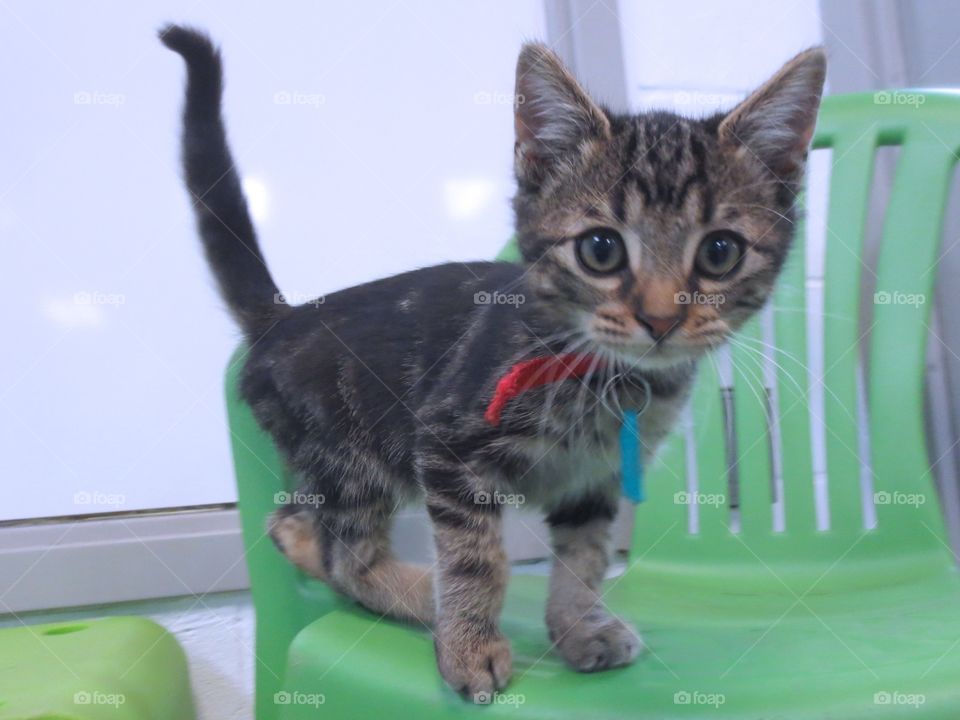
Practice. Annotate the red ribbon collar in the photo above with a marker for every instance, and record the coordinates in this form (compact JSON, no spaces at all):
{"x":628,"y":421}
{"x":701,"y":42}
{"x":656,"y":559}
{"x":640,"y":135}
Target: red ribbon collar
{"x":536,"y":372}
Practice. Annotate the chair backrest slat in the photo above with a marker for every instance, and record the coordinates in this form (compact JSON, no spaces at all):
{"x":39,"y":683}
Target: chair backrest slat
{"x":905,"y":278}
{"x":752,"y":425}
{"x":790,"y":325}
{"x":850,"y":184}
{"x":711,"y":470}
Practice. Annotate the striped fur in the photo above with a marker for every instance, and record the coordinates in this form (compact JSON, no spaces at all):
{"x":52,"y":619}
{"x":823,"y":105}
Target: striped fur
{"x":376,"y":396}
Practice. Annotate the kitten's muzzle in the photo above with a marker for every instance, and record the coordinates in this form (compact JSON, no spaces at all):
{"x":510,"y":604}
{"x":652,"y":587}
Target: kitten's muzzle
{"x":659,"y":327}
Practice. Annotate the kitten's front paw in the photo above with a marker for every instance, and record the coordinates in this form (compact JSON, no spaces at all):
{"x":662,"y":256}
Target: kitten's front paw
{"x":475,"y":668}
{"x":597,"y":641}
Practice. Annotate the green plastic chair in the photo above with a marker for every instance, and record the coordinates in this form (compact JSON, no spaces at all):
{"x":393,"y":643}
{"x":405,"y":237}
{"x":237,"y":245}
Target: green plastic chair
{"x":844,"y":623}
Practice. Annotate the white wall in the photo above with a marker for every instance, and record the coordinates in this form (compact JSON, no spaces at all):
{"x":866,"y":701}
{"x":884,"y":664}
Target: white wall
{"x":696,"y":56}
{"x":393,"y":153}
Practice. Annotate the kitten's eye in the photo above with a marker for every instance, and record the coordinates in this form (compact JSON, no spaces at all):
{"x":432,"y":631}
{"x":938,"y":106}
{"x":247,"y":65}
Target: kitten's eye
{"x":719,"y":253}
{"x":601,"y":251}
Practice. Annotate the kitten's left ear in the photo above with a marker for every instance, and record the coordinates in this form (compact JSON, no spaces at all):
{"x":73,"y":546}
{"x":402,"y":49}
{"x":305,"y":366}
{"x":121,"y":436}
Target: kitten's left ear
{"x":776,"y":122}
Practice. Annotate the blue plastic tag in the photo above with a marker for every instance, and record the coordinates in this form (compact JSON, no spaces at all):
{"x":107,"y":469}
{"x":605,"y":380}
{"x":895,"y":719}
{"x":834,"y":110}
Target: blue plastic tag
{"x":631,"y":462}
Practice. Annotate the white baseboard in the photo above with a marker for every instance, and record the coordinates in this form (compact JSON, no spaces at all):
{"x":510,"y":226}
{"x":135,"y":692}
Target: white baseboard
{"x":75,"y":562}
{"x":93,"y":561}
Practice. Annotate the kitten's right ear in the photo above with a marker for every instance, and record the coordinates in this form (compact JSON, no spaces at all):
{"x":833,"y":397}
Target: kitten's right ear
{"x":552,"y":113}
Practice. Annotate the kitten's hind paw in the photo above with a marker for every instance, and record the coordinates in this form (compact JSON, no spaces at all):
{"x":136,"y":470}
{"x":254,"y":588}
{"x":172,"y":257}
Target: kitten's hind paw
{"x":598,"y":642}
{"x":295,"y":536}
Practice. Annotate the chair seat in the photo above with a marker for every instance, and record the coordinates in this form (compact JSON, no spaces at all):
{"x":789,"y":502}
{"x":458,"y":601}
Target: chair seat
{"x":124,"y":668}
{"x":877,"y":652}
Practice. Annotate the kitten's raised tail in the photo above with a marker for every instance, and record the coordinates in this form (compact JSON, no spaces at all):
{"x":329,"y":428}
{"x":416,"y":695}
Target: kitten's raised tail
{"x":221,"y":209}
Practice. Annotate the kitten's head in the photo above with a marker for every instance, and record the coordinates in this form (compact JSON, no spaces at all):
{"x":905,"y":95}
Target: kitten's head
{"x":654,"y":235}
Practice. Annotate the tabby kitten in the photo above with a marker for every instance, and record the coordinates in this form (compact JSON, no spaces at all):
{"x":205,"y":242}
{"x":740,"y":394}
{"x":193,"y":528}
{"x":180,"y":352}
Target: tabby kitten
{"x":378,"y":395}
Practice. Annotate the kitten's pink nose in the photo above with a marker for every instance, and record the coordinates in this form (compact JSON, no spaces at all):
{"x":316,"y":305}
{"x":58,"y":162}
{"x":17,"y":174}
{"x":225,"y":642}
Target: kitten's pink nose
{"x":659,"y":327}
